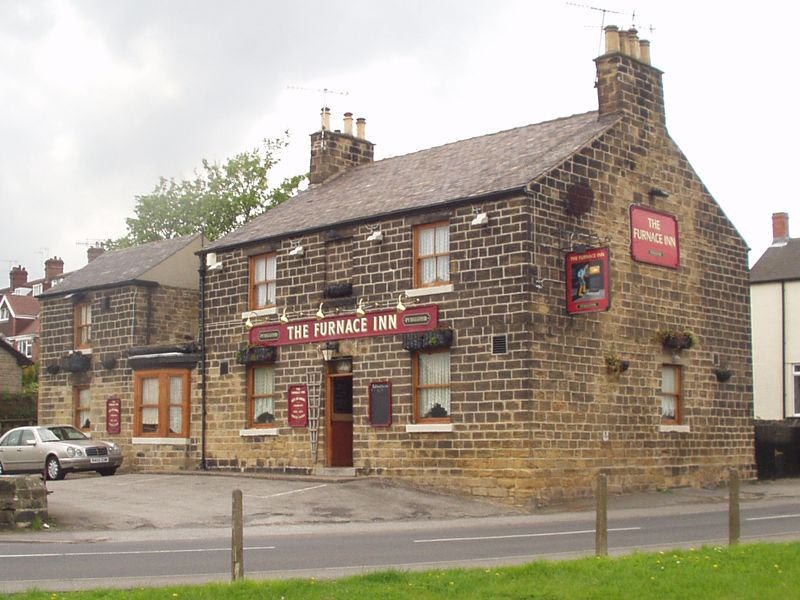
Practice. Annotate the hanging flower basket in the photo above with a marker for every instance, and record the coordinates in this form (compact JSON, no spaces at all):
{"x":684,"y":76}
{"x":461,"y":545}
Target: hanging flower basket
{"x":250,"y":354}
{"x":722,"y":374}
{"x":615,"y":364}
{"x":76,"y":363}
{"x":338,"y":290}
{"x":673,"y":339}
{"x":428,"y":340}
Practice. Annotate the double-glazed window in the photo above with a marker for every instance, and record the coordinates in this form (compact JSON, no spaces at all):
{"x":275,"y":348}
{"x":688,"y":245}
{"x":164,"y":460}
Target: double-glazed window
{"x":263,"y":269}
{"x":260,"y":396}
{"x":671,"y":395}
{"x":431,"y":378}
{"x":81,"y":400}
{"x":83,"y":325}
{"x":432,"y":254}
{"x":162,"y":403}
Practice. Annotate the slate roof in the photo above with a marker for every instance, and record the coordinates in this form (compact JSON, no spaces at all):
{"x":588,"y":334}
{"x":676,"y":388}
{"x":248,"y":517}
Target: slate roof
{"x":468,"y":169}
{"x":118,"y":267}
{"x":778,"y":263}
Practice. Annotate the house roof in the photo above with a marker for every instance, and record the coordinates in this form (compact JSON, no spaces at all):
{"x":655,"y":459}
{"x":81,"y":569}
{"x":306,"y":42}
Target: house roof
{"x":778,"y":263}
{"x":22,"y":360}
{"x":22,"y":307}
{"x":119,"y":267}
{"x":464,"y":170}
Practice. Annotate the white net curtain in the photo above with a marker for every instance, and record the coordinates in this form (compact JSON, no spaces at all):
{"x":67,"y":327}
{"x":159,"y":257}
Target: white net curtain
{"x":434,"y":383}
{"x":434,"y":245}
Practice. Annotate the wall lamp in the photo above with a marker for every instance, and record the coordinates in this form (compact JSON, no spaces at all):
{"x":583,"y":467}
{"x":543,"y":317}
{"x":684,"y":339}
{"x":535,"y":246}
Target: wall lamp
{"x":249,"y":322}
{"x":360,"y":308}
{"x":376,"y":236}
{"x":658,"y":193}
{"x":328,"y":349}
{"x":297,"y":251}
{"x":481,"y":218}
{"x":320,"y":314}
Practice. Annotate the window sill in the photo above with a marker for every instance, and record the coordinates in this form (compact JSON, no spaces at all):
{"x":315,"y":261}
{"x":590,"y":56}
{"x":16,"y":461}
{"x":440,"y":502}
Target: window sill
{"x":429,"y":428}
{"x":674,"y":428}
{"x":261,"y":312}
{"x":430,"y":291}
{"x":255,"y":431}
{"x":155,"y":441}
{"x":82,"y":351}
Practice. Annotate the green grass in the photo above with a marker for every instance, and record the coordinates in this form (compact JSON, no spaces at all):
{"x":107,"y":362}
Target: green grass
{"x":754,"y":571}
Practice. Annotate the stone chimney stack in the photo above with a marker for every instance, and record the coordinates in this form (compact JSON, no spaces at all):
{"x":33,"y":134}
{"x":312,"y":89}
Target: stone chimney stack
{"x":333,"y":152}
{"x":780,"y":227}
{"x":53,"y":268}
{"x":18,"y":277}
{"x":93,"y":252}
{"x":626,"y":81}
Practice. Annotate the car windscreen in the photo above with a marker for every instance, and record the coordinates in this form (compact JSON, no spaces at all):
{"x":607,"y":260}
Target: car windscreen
{"x":65,"y":433}
{"x":46,"y":435}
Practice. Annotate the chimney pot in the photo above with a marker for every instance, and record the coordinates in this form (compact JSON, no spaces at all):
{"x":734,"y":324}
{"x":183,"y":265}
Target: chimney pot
{"x":326,"y":118}
{"x":780,"y":227}
{"x":361,"y":125}
{"x":612,"y":39}
{"x":53,"y":268}
{"x":94,"y":252}
{"x":644,"y":51}
{"x":633,"y":43}
{"x":18,"y":277}
{"x":348,"y":123}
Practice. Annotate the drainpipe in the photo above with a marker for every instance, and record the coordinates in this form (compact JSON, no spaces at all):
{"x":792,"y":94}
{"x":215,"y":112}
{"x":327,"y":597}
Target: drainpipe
{"x":783,"y":347}
{"x":203,"y":396}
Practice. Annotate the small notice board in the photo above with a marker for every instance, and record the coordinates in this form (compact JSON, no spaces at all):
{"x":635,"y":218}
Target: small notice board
{"x":380,"y":403}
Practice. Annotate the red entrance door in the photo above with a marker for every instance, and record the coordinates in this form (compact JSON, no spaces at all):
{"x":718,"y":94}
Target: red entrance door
{"x":339,"y":408}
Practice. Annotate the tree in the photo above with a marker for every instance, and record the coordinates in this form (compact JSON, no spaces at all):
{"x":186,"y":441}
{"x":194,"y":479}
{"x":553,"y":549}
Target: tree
{"x":221,"y":198}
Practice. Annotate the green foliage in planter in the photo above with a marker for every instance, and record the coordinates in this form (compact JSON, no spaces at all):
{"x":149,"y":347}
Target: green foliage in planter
{"x":253,"y":353}
{"x":437,"y":411}
{"x":76,"y":363}
{"x":676,"y":339}
{"x":428,"y":340}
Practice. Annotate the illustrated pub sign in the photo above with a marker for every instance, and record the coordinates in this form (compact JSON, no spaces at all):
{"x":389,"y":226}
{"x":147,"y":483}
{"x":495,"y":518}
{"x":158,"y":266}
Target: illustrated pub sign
{"x":587,"y":277}
{"x":654,"y":237}
{"x":113,"y":415}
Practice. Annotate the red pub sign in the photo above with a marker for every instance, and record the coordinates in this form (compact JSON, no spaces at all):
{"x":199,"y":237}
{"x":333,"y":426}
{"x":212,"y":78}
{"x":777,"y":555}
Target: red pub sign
{"x":113,"y":415}
{"x":384,"y":322}
{"x":588,"y":287}
{"x":654,"y":237}
{"x":298,"y":405}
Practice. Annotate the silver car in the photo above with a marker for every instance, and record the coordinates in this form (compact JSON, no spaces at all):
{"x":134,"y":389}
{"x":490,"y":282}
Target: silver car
{"x":56,"y":450}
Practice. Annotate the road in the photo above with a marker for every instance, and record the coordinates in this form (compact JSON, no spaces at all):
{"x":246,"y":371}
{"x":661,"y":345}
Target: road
{"x":128,"y":559}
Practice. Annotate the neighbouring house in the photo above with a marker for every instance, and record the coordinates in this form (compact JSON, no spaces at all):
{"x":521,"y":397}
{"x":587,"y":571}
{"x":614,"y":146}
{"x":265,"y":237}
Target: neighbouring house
{"x":505,"y":316}
{"x":19,"y":306}
{"x":775,"y":306}
{"x":12,"y":362}
{"x":119,"y":351}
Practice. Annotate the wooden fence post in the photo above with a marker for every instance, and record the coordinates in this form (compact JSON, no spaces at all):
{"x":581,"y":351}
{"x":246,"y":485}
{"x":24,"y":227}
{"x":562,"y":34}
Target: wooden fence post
{"x":237,"y":538}
{"x":601,"y":522}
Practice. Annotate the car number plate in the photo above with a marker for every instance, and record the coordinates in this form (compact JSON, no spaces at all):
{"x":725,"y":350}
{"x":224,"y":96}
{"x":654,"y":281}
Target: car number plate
{"x":98,"y":459}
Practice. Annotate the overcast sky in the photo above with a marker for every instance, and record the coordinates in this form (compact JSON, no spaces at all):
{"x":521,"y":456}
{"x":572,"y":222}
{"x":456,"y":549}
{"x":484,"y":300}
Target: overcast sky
{"x":99,"y":98}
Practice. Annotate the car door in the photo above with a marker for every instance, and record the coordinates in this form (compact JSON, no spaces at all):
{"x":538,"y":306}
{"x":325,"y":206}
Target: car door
{"x":30,"y":452}
{"x":9,"y":452}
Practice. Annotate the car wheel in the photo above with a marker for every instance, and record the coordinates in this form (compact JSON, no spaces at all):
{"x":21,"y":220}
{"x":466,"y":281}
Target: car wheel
{"x":107,"y":472}
{"x":53,"y":468}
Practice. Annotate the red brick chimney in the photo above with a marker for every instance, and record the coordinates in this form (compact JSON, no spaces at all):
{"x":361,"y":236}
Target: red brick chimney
{"x":333,"y":152}
{"x":626,"y":82}
{"x":18,"y":277}
{"x":780,"y":227}
{"x":53,"y":268}
{"x":93,"y":252}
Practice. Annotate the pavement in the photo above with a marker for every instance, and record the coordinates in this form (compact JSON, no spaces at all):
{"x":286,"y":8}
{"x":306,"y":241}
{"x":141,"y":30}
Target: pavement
{"x":85,"y":504}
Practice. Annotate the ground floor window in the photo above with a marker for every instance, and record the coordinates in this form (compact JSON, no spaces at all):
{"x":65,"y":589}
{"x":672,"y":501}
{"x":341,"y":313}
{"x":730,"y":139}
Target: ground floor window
{"x":81,"y":401}
{"x":161,"y":403}
{"x":796,"y":386}
{"x":431,"y":375}
{"x":260,"y":396}
{"x":671,"y":394}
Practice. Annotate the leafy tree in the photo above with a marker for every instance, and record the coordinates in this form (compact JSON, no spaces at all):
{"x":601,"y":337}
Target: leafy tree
{"x":218,"y":200}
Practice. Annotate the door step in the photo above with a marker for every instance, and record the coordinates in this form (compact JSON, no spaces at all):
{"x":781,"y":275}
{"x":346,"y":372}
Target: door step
{"x":337,"y":471}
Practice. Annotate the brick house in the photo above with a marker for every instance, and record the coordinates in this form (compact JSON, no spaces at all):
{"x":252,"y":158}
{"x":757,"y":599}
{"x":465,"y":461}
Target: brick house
{"x":119,"y":351}
{"x":505,"y":316}
{"x":19,"y":306}
{"x":775,"y":304}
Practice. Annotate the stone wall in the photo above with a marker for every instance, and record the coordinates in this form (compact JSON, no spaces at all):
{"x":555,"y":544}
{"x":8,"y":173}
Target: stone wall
{"x":10,"y":373}
{"x":23,"y":498}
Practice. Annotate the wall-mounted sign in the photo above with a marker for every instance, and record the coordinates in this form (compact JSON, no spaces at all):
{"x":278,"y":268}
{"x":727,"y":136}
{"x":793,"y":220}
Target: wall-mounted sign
{"x":113,"y":415}
{"x":380,"y":403}
{"x":385,"y":322}
{"x":298,"y":405}
{"x":654,"y":237}
{"x":588,"y":287}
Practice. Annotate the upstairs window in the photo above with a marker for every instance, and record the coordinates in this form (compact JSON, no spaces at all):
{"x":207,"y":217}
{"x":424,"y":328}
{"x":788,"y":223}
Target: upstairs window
{"x":5,"y":315}
{"x":432,"y":254}
{"x":83,"y":325}
{"x":263,"y":270}
{"x":671,"y":395}
{"x":431,"y":375}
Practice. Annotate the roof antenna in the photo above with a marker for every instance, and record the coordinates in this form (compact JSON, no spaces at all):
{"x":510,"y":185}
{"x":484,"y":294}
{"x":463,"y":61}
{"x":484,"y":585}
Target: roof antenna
{"x":602,"y":20}
{"x":323,"y":91}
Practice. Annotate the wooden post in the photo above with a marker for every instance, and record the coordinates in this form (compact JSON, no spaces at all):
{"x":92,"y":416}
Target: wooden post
{"x":237,"y":538}
{"x":601,"y":522}
{"x":734,"y":520}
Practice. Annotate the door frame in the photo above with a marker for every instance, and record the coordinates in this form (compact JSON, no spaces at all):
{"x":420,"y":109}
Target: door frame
{"x":330,"y":375}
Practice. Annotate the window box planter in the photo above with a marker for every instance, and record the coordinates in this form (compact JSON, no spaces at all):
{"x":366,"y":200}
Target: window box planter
{"x":251,"y":354}
{"x":428,"y":340}
{"x":338,"y":290}
{"x":673,"y":339}
{"x":76,"y":363}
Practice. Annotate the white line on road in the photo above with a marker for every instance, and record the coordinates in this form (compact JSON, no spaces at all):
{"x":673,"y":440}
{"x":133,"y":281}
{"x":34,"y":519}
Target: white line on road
{"x":313,"y":487}
{"x":518,"y":535}
{"x":127,"y":552}
{"x":772,"y":517}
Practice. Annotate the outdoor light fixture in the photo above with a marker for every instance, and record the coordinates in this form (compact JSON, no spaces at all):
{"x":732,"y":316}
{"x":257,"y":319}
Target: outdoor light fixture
{"x":297,"y":251}
{"x":481,"y":219}
{"x":360,"y":308}
{"x":320,"y":314}
{"x":328,"y":349}
{"x":376,"y":236}
{"x":658,"y":193}
{"x":249,"y":322}
{"x":283,"y":318}
{"x":400,"y":306}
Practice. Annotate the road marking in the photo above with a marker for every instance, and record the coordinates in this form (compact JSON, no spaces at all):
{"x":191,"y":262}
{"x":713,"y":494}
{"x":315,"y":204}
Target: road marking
{"x":127,"y":552}
{"x":518,"y":535}
{"x":313,"y":487}
{"x":772,"y":517}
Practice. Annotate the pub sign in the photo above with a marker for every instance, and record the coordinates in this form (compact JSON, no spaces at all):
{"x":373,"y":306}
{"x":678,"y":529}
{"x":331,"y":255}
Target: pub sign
{"x":654,"y":237}
{"x":588,"y":281}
